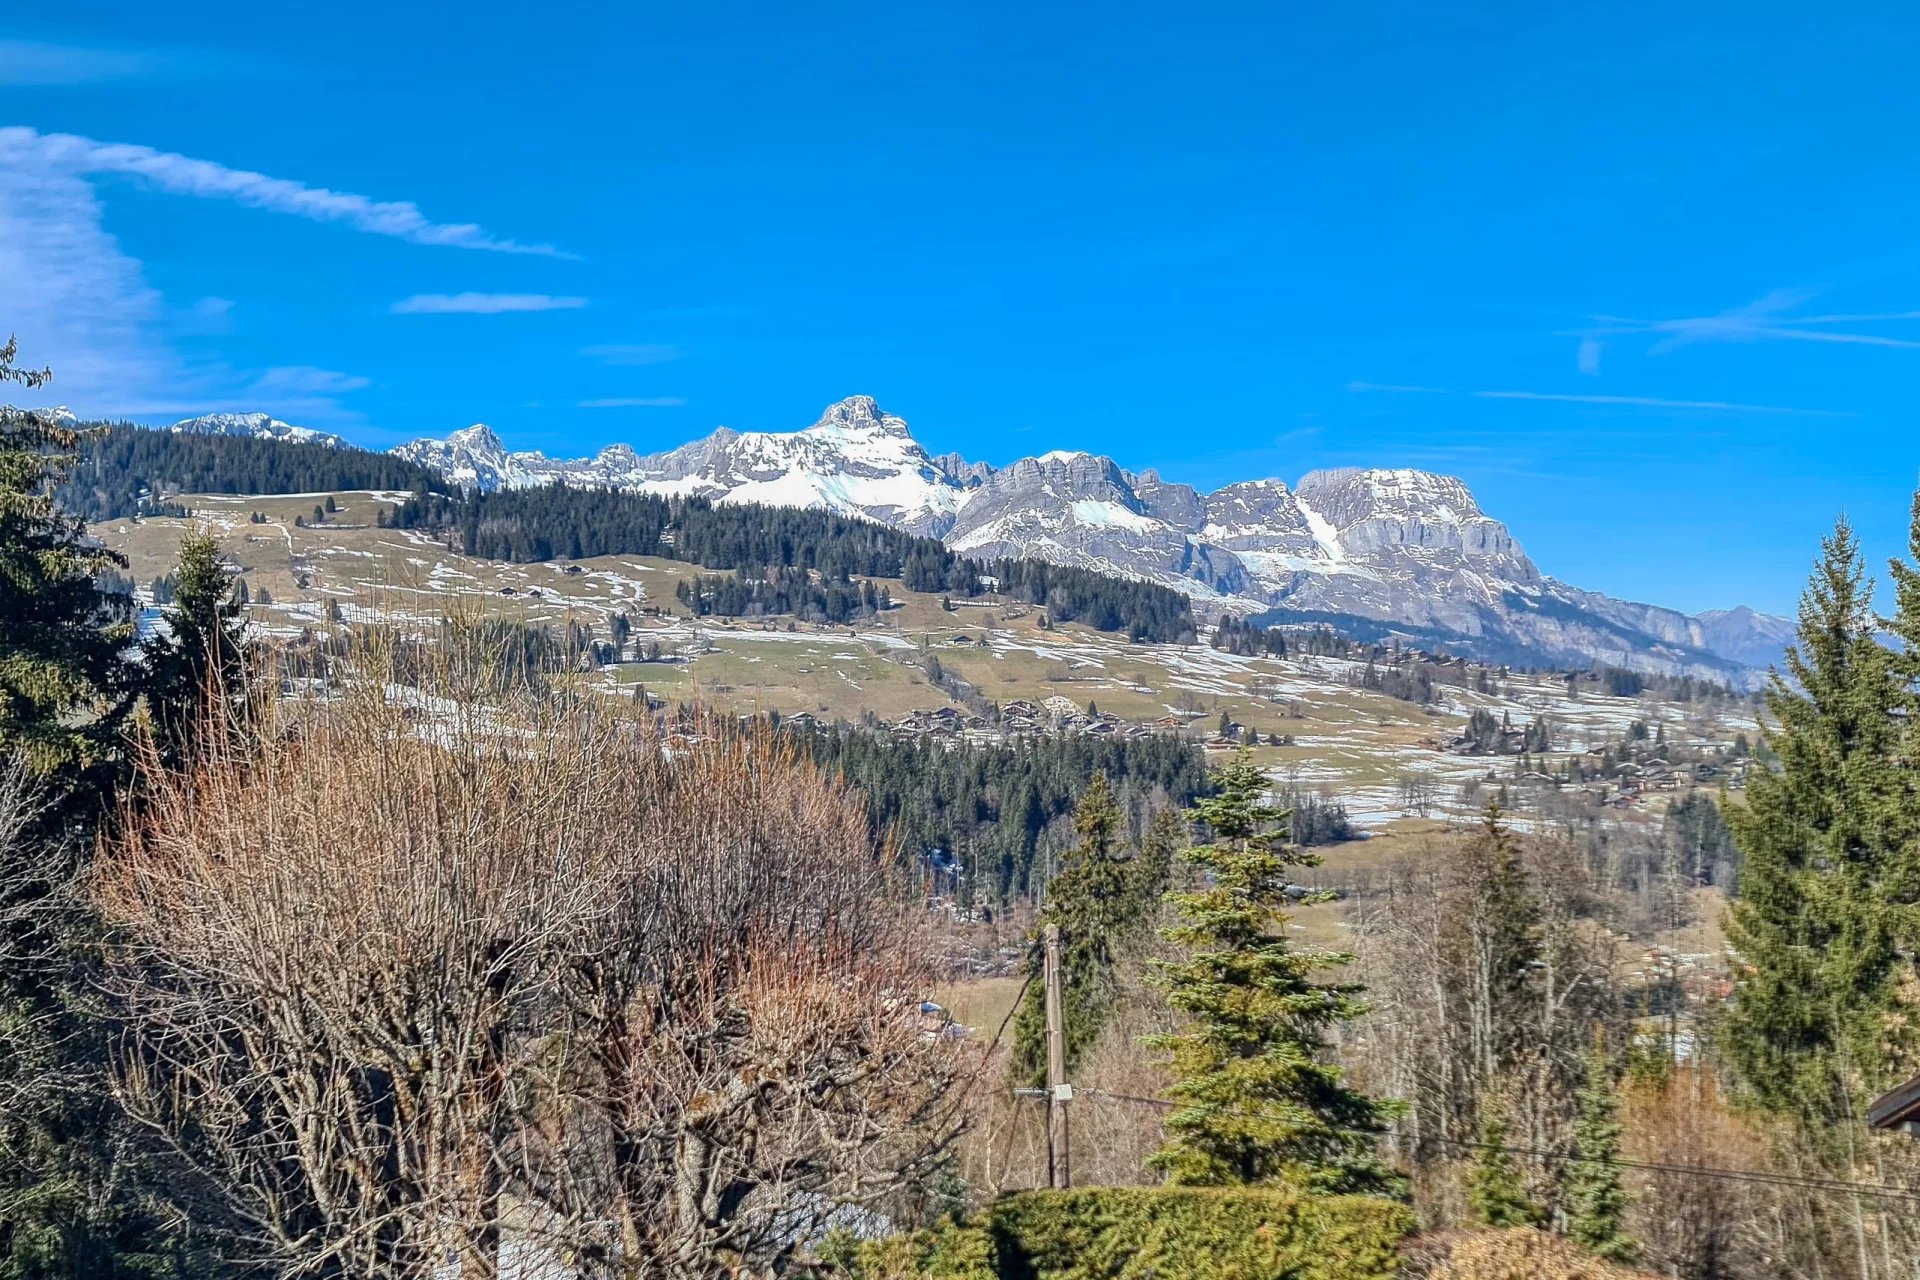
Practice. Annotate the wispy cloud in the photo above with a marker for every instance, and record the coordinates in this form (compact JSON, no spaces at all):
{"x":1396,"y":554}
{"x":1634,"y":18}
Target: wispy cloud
{"x":39,"y":64}
{"x":306,"y":380}
{"x":1399,"y":389}
{"x":1770,"y":318}
{"x":182,"y":175}
{"x":482,"y":304}
{"x":1625,"y":402}
{"x":1652,"y":402}
{"x":1587,"y":358}
{"x":632,"y":353}
{"x":635,"y":402}
{"x":83,"y":305}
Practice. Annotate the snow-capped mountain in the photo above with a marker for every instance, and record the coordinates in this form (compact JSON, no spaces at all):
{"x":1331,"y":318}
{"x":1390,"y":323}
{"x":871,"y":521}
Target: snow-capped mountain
{"x":856,"y":459}
{"x":260,"y":426}
{"x":1406,"y":550}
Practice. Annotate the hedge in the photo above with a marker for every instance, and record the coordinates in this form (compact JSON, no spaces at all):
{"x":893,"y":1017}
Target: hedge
{"x":1157,"y":1233}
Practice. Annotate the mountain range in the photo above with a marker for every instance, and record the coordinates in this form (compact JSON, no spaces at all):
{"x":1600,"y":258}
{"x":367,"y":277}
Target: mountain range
{"x":1383,"y":551}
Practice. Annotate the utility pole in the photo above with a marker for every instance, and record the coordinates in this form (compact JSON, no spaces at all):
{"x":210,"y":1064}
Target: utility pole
{"x":1059,"y":1092}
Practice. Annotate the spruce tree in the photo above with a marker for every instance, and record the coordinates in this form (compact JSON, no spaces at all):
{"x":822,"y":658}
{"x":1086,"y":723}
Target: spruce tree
{"x":1815,"y":925}
{"x":1092,"y":902}
{"x":65,"y":684}
{"x":1596,"y":1200}
{"x":1256,"y":1100}
{"x":1496,"y":1195}
{"x":198,"y":670}
{"x":1903,"y":882}
{"x":74,"y":1177}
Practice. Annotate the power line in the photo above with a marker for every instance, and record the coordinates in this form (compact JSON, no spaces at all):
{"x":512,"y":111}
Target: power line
{"x":1758,"y":1176}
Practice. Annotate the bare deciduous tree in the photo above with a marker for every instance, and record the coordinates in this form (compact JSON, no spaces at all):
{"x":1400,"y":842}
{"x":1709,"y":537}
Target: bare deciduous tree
{"x":421,"y":980}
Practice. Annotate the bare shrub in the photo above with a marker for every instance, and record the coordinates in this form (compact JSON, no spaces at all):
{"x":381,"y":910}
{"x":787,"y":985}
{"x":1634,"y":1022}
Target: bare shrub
{"x":1518,"y":1254}
{"x":419,"y":979}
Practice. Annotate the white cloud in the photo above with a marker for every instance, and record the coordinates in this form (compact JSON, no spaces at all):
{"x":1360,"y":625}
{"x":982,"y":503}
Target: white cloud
{"x":1769,"y":318}
{"x":1650,"y":402}
{"x":183,"y":175}
{"x":77,"y":302}
{"x":632,"y":353}
{"x":1588,"y":356}
{"x":482,"y":304}
{"x":635,"y":402}
{"x":304,"y":379}
{"x":82,"y":305}
{"x":1625,"y":402}
{"x":41,"y":64}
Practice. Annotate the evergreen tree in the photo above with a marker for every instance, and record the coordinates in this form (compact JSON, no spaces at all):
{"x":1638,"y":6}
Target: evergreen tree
{"x":1904,"y":879}
{"x":72,"y":1173}
{"x":1496,"y":1195}
{"x":1815,"y":924}
{"x":1256,"y":1101}
{"x":1501,"y":947}
{"x":198,"y":672}
{"x":65,"y":685}
{"x":1093,"y":903}
{"x":1596,"y":1201}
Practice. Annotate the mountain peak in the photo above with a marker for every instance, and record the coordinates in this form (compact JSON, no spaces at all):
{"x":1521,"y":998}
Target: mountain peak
{"x":479,"y":437}
{"x":859,"y":415}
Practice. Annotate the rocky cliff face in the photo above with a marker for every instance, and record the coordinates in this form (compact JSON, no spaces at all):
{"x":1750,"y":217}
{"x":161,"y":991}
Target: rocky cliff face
{"x":1405,"y":548}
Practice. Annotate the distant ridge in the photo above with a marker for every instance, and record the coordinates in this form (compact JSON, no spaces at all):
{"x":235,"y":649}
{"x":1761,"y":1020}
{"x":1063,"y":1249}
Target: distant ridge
{"x":1393,"y":546}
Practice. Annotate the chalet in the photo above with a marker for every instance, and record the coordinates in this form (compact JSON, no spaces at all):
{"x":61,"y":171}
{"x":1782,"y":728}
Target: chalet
{"x":571,"y":570}
{"x":1898,"y":1109}
{"x":1020,"y":707}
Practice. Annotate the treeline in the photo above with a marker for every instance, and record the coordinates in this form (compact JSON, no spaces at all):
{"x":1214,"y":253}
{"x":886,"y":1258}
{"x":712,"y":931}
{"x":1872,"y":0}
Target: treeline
{"x":744,"y":595}
{"x":558,"y":522}
{"x":123,"y":470}
{"x":1623,"y":683}
{"x":998,"y":812}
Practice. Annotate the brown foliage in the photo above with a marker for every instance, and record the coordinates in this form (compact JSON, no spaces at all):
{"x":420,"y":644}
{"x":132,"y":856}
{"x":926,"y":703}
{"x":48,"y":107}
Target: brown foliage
{"x":1517,"y":1254}
{"x":424,"y":977}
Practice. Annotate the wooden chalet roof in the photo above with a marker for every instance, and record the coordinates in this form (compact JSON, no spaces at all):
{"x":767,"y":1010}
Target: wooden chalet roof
{"x":1897,"y":1107}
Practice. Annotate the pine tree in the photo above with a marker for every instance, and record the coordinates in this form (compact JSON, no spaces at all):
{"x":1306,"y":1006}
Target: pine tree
{"x":1501,"y":941}
{"x":73,"y":1176}
{"x":1256,"y":1101}
{"x":65,"y":685}
{"x":1814,"y":925}
{"x":198,"y":671}
{"x":1904,"y":879}
{"x":1496,"y":1195}
{"x":1092,"y":902}
{"x":1596,"y":1201}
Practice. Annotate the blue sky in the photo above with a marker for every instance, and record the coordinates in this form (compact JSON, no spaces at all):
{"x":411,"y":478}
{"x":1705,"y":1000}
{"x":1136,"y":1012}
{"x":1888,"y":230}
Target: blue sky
{"x":1646,"y":275}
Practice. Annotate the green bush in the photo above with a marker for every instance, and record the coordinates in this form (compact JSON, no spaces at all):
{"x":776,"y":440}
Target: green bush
{"x":1141,"y":1233}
